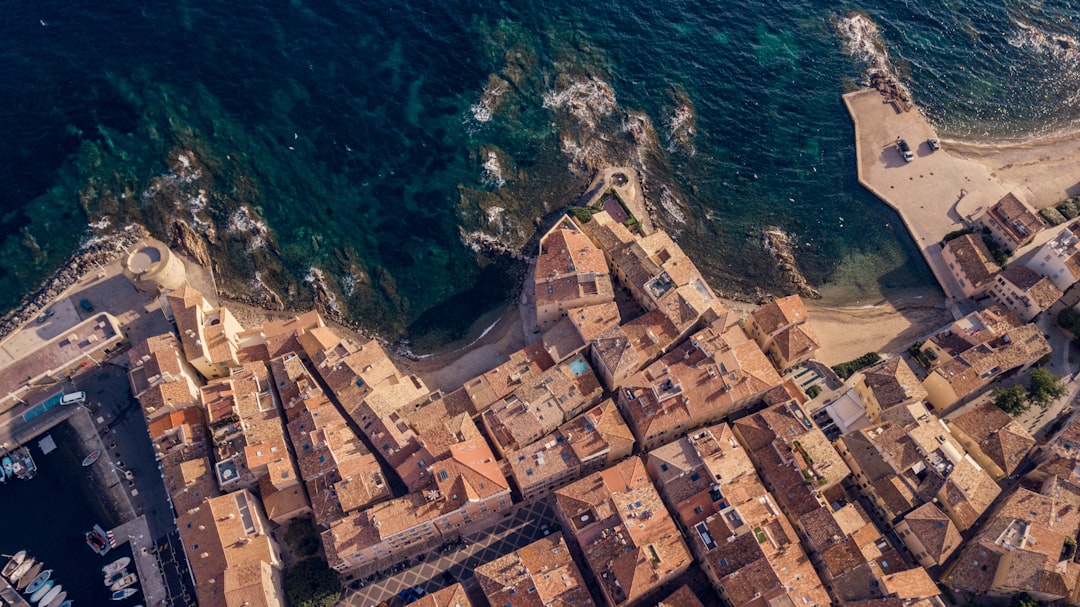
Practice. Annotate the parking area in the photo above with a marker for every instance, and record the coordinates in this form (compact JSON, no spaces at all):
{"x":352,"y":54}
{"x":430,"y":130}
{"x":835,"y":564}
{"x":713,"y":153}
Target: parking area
{"x":439,"y":569}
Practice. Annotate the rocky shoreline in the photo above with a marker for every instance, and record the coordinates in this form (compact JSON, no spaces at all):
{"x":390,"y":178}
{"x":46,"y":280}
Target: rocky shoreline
{"x":96,"y":253}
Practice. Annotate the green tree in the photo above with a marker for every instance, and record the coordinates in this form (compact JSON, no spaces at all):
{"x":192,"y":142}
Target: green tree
{"x":1045,"y":387}
{"x":311,"y":583}
{"x":302,"y":537}
{"x":1023,"y":600}
{"x":1012,"y":400}
{"x":813,"y":391}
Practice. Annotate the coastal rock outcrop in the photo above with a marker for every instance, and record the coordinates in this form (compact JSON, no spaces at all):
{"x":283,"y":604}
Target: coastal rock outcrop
{"x":779,"y":246}
{"x":185,"y":240}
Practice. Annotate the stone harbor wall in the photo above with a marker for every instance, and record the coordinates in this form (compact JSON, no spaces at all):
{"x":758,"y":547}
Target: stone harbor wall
{"x":99,"y":252}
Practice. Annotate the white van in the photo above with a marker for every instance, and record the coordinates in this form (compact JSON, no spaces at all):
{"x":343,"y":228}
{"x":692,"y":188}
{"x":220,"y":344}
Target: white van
{"x":74,"y":398}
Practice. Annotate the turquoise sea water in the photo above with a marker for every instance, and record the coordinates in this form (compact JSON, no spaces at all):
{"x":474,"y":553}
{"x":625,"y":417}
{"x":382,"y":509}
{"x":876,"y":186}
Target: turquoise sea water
{"x":358,"y":145}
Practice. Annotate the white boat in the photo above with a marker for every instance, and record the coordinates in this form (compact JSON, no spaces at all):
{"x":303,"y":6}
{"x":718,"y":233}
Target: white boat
{"x":120,"y":595}
{"x":124,"y":582}
{"x":38,"y":581}
{"x":91,"y":458}
{"x":116,"y":566}
{"x":24,"y":576}
{"x":50,"y":596}
{"x":56,"y":601}
{"x":15,"y":560}
{"x":41,"y":592}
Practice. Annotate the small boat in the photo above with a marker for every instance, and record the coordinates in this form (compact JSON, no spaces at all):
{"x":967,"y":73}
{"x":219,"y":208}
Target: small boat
{"x":124,"y":582}
{"x":38,"y":581}
{"x":8,"y":464}
{"x":51,"y":595}
{"x":116,"y":566}
{"x":98,"y":540}
{"x":23,"y":466}
{"x":120,"y":595}
{"x":26,"y":572}
{"x":90,"y":459}
{"x":65,"y":604}
{"x":15,"y":561}
{"x":41,"y":592}
{"x":56,"y":601}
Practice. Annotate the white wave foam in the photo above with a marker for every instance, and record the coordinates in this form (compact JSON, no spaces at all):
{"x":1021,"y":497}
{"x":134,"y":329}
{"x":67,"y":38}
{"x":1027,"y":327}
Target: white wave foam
{"x":484,"y":108}
{"x":672,"y":206}
{"x":1059,"y":47}
{"x":862,"y":40}
{"x":242,"y":222}
{"x":681,"y":129}
{"x":316,"y":279}
{"x":587,"y":100}
{"x":493,"y":171}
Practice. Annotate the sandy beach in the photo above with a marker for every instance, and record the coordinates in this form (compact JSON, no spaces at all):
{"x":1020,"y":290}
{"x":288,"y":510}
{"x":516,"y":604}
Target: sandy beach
{"x":887,"y":327}
{"x":1046,"y":170}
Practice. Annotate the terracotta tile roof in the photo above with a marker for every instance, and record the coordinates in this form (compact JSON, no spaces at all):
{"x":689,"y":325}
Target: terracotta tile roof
{"x":688,"y":470}
{"x":985,"y":345}
{"x":1040,"y":289}
{"x":821,"y":528}
{"x":292,"y":381}
{"x":224,"y":532}
{"x":592,"y":437}
{"x":976,"y":263}
{"x":616,"y":352}
{"x":624,"y":530}
{"x":969,"y":490}
{"x":705,"y":378}
{"x":252,"y":585}
{"x":683,"y":597}
{"x":1003,"y":439}
{"x":974,"y":569}
{"x":592,"y":321}
{"x":190,"y":482}
{"x":282,"y":503}
{"x":1015,"y":219}
{"x":606,"y":233}
{"x":539,"y":405}
{"x":935,"y":530}
{"x":562,"y":340}
{"x":451,"y":596}
{"x":893,"y":382}
{"x":779,"y":313}
{"x":499,"y":382}
{"x":796,"y":342}
{"x":159,"y":356}
{"x":542,"y":573}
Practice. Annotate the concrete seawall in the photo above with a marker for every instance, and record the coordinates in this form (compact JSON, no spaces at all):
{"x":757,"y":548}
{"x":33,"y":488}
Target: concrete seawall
{"x":935,"y":194}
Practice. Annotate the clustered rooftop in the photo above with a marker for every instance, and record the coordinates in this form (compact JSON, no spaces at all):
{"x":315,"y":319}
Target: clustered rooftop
{"x":257,"y":427}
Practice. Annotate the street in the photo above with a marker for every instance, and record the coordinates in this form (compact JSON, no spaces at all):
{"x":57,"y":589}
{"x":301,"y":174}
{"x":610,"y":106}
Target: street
{"x":525,"y":526}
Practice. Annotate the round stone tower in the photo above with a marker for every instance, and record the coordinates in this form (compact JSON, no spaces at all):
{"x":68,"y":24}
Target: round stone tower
{"x":153,"y":268}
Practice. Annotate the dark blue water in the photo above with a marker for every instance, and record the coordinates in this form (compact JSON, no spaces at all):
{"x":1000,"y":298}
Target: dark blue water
{"x":366,"y":141}
{"x":48,"y":515}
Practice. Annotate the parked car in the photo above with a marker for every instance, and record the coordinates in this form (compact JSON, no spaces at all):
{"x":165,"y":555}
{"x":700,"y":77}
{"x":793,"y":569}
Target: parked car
{"x":905,"y":150}
{"x":933,"y":143}
{"x":86,"y":305}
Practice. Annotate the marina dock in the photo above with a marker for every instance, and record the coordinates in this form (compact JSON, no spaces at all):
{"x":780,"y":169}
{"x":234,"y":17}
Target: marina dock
{"x":11,"y":596}
{"x":151,"y":583}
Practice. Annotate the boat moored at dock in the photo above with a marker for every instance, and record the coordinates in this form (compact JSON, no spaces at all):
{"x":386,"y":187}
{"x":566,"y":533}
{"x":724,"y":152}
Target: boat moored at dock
{"x":40,"y":580}
{"x":13,"y":563}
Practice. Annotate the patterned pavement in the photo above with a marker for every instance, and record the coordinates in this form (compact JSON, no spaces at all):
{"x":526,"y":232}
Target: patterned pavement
{"x":525,"y":526}
{"x":174,"y":566}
